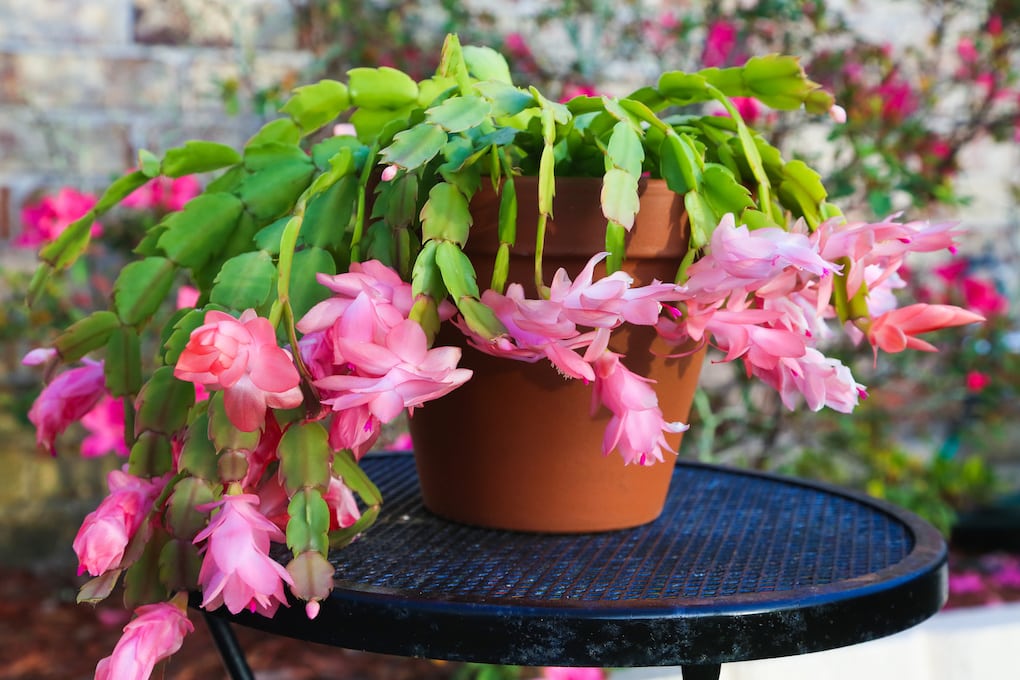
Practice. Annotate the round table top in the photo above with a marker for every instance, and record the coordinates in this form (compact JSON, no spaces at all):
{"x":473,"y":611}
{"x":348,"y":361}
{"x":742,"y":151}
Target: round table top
{"x":740,"y":566}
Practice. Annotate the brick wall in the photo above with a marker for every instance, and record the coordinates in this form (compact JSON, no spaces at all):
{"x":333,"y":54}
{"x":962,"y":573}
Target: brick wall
{"x":84,"y":84}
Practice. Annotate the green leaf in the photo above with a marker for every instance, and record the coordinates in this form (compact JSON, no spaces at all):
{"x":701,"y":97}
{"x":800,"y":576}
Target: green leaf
{"x":164,"y":402}
{"x":676,"y":166}
{"x":486,"y":63}
{"x":141,"y":288}
{"x":480,"y":318}
{"x":801,"y":191}
{"x":224,"y":435}
{"x":683,"y":88}
{"x":182,"y":518}
{"x":98,"y":589}
{"x":268,"y":238}
{"x":329,"y":214}
{"x":381,"y":88}
{"x":703,"y":219}
{"x":141,"y":581}
{"x":446,"y":215}
{"x":625,"y":150}
{"x":723,"y":192}
{"x":121,"y":188}
{"x":460,"y":113}
{"x":370,"y":123}
{"x":305,"y":289}
{"x":198,"y":454}
{"x":458,"y":273}
{"x":123,"y":365}
{"x":778,"y":81}
{"x":308,"y":526}
{"x":355,"y":478}
{"x":312,"y":106}
{"x":341,"y":538}
{"x":244,"y":281}
{"x":86,"y":335}
{"x":180,"y":565}
{"x":149,"y":163}
{"x":198,"y":156}
{"x":198,"y":232}
{"x":415,"y":146}
{"x":507,"y":100}
{"x":616,"y":237}
{"x":180,"y":334}
{"x":272,"y":191}
{"x":426,"y":279}
{"x":304,"y":454}
{"x":151,"y":455}
{"x":546,"y":181}
{"x":620,"y":201}
{"x":281,"y":130}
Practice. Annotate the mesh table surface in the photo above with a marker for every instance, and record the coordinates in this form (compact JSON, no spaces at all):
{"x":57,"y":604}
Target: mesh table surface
{"x":739,"y":566}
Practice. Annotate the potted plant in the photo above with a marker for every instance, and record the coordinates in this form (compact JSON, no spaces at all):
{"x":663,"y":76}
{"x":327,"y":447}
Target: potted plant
{"x":327,"y":270}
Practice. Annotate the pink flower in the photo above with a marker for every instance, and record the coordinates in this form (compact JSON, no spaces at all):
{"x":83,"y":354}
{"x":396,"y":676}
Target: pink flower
{"x":107,"y":530}
{"x":67,"y":399}
{"x":894,"y":331}
{"x":105,"y":424}
{"x":401,"y":372}
{"x":187,"y":296}
{"x":343,"y":508}
{"x":241,"y":357}
{"x":516,"y":45}
{"x":46,"y":219}
{"x":637,"y":426}
{"x":965,"y":48}
{"x":977,"y":381}
{"x":719,"y":44}
{"x":164,"y":194}
{"x":356,"y":429}
{"x":983,"y":298}
{"x":966,"y":583}
{"x":572,"y":90}
{"x":898,"y":98}
{"x":237,"y":570}
{"x":563,"y":673}
{"x":156,"y":632}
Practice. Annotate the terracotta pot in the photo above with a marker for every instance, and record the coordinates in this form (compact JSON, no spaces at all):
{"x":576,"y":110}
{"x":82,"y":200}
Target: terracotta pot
{"x":516,"y":447}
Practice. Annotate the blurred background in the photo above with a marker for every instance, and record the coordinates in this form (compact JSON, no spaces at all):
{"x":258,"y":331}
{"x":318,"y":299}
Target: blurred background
{"x":932,"y":93}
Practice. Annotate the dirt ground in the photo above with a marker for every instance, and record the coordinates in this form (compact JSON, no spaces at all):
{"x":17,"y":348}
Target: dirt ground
{"x":44,"y":635}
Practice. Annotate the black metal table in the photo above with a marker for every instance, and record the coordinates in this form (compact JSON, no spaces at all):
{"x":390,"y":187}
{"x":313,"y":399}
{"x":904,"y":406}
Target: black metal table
{"x":739,"y":566}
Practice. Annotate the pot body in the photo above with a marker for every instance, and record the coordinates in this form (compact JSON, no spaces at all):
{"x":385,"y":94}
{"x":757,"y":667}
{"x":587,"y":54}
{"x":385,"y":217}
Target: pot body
{"x":517,"y":446}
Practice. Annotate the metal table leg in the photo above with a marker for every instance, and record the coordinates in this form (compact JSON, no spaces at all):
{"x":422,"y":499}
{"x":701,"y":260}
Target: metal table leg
{"x":709,"y":672}
{"x":230,"y":651}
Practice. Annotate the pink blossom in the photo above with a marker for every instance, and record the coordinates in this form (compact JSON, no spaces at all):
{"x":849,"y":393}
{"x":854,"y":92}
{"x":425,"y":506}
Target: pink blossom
{"x":236,"y":569}
{"x":982,"y":297}
{"x":898,"y":98}
{"x":995,"y":25}
{"x":163,"y":193}
{"x":401,"y":372}
{"x":354,"y":428}
{"x":516,"y":45}
{"x":837,"y":113}
{"x":388,"y":173}
{"x":344,"y":130}
{"x":40,"y":356}
{"x":965,"y":48}
{"x":564,"y":673}
{"x":820,"y":380}
{"x":241,"y":357}
{"x":966,"y":583}
{"x":719,"y":44}
{"x":572,"y":90}
{"x":977,"y":381}
{"x":156,"y":632}
{"x":637,"y":425}
{"x":67,"y":399}
{"x":107,"y":530}
{"x":105,"y":424}
{"x":382,"y":300}
{"x":343,"y":508}
{"x":187,"y":296}
{"x":46,"y":219}
{"x":895,"y":331}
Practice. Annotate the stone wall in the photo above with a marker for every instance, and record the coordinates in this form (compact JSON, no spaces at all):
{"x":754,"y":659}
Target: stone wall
{"x":84,"y":84}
